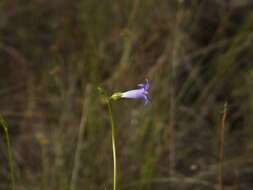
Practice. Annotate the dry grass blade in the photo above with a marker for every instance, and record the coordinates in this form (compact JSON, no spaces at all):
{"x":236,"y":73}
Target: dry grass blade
{"x":222,"y":142}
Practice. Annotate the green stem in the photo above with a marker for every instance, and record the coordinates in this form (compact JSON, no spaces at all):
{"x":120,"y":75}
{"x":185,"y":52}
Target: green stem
{"x":113,"y":145}
{"x":5,"y":127}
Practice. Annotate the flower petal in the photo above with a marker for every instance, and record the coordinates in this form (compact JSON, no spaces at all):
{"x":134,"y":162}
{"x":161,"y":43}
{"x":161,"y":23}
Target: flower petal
{"x":141,"y":85}
{"x":146,"y":85}
{"x":133,"y":94}
{"x":141,"y":93}
{"x":146,"y":100}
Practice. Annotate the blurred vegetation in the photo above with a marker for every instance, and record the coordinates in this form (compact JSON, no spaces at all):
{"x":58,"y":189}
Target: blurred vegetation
{"x":196,"y":54}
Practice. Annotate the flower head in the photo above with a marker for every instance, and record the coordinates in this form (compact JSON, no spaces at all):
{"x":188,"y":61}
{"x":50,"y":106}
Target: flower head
{"x":140,"y":93}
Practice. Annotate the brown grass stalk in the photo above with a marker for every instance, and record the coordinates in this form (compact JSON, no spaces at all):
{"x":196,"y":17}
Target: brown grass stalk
{"x":221,"y":144}
{"x":80,"y":139}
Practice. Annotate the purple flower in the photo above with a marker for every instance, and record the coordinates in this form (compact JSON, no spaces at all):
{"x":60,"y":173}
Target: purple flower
{"x":141,"y":93}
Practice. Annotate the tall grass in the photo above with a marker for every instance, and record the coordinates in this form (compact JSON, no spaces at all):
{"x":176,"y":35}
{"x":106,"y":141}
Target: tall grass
{"x":77,"y":158}
{"x":5,"y":126}
{"x":196,"y":55}
{"x":221,"y":144}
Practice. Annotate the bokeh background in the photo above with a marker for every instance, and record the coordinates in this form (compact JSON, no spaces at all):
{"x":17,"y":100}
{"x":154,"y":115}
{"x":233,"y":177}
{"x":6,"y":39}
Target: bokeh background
{"x":197,"y":55}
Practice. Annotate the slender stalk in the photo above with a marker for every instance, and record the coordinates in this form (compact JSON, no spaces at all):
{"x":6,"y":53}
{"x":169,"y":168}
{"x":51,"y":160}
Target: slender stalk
{"x":173,"y":109}
{"x":10,"y":158}
{"x":77,"y":158}
{"x":113,"y":145}
{"x":222,"y":141}
{"x":45,"y":165}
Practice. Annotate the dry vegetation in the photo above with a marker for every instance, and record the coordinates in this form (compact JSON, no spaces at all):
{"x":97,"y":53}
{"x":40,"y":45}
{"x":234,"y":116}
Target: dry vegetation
{"x":197,"y":55}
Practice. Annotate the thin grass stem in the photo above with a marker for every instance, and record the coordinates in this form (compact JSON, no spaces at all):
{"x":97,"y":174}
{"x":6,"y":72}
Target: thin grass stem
{"x":5,"y":126}
{"x":77,"y":158}
{"x":222,"y":142}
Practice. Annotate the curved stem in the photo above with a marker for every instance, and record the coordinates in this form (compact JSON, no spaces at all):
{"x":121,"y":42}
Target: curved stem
{"x":113,"y":145}
{"x":10,"y":158}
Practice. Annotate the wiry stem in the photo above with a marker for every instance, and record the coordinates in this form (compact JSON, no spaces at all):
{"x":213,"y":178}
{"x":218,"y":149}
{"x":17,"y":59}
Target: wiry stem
{"x":174,"y":63}
{"x":81,"y":131}
{"x":113,"y":145}
{"x":5,"y":127}
{"x":222,"y":141}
